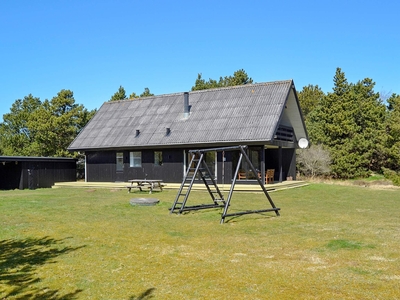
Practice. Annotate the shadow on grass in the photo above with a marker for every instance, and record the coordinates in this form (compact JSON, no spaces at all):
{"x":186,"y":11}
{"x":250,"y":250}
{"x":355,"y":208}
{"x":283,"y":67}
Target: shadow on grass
{"x":148,"y":294}
{"x":255,"y":216}
{"x":18,"y":261}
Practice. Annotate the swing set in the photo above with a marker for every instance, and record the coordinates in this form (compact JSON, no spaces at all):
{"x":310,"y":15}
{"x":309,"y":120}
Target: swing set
{"x":199,"y":168}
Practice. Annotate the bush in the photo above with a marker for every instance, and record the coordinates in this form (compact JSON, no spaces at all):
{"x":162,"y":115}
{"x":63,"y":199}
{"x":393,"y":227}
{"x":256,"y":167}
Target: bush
{"x":313,"y":161}
{"x":392,"y":175}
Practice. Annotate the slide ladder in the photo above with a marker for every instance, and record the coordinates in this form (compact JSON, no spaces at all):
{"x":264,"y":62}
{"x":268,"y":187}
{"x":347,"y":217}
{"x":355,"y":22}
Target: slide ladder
{"x":197,"y":169}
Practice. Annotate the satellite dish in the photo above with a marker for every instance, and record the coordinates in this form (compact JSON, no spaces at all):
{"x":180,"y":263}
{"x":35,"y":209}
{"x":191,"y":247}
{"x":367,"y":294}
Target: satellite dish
{"x":303,"y":143}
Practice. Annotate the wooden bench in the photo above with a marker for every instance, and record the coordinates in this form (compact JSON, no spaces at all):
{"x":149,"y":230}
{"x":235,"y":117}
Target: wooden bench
{"x":130,"y":187}
{"x":148,"y":183}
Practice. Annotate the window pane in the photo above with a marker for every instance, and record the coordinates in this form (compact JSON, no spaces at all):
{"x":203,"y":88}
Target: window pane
{"x":158,"y":158}
{"x":210,"y":158}
{"x":255,"y":158}
{"x":120,"y":161}
{"x":135,"y":159}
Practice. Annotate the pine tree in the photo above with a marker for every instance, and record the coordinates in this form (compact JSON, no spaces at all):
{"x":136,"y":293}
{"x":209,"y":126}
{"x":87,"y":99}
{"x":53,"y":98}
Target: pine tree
{"x":119,"y":95}
{"x":16,"y":138}
{"x":146,"y":93}
{"x":393,"y":133}
{"x":56,"y":123}
{"x":309,"y":97}
{"x":239,"y":77}
{"x":350,"y":123}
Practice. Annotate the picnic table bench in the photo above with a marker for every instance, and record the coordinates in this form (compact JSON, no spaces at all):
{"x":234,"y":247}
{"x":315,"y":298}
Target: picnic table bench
{"x":151,"y":184}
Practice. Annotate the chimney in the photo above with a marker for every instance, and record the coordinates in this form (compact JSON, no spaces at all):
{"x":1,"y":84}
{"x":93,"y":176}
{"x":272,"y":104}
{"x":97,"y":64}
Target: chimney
{"x":186,"y":106}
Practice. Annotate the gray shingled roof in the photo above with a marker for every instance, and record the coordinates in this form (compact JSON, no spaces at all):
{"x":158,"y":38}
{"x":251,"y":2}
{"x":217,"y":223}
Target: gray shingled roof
{"x":234,"y":115}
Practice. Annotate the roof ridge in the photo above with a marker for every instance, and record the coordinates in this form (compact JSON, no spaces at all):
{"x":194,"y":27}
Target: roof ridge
{"x":203,"y":91}
{"x":245,"y":85}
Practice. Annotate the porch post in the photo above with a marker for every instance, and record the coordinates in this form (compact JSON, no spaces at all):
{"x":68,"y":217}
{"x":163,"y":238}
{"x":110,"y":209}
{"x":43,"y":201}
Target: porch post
{"x":184,"y":163}
{"x":86,"y":179}
{"x":262,"y":164}
{"x":280,"y":163}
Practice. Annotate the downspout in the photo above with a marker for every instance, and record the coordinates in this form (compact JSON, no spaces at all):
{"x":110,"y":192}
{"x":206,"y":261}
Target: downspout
{"x":263,"y":156}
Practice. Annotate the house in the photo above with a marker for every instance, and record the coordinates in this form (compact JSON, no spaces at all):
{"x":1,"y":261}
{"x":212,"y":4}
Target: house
{"x":21,"y":172}
{"x":150,"y":137}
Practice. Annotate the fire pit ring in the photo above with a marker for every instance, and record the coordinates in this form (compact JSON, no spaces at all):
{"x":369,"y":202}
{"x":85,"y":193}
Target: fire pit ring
{"x":144,"y":201}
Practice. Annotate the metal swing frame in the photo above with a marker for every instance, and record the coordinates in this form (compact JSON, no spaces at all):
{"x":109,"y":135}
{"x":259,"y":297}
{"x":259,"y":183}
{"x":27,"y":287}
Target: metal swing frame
{"x":207,"y":177}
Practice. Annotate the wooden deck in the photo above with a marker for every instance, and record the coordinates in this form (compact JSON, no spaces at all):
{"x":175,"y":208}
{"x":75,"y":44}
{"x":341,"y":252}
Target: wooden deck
{"x":175,"y":186}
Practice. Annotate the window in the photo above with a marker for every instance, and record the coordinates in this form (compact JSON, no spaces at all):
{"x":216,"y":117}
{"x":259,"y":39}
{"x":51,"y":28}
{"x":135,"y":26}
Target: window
{"x":158,"y":161}
{"x":120,"y":161}
{"x":211,"y":161}
{"x":254,"y":154}
{"x":135,"y":160}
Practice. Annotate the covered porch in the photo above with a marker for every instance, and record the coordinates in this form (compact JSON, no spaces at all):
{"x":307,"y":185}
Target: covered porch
{"x":273,"y":164}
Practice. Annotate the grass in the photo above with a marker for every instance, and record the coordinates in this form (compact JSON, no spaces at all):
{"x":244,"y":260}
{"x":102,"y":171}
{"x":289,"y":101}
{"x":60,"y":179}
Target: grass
{"x":330,"y":242}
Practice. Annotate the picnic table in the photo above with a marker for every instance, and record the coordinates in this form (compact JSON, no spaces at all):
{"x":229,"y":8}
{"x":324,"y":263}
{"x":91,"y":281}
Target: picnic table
{"x":151,"y":184}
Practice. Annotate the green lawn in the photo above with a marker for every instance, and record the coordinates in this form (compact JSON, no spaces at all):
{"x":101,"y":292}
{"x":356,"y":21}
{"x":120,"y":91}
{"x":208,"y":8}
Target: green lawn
{"x":330,"y":242}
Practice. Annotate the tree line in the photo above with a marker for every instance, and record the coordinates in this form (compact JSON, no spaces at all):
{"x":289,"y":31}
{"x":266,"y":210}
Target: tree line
{"x":353,"y":130}
{"x":357,"y":127}
{"x":239,"y":77}
{"x":42,"y":128}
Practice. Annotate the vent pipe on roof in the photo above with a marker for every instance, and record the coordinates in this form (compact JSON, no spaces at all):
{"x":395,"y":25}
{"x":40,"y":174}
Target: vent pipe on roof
{"x":186,"y":106}
{"x":167,"y":131}
{"x":137,"y":132}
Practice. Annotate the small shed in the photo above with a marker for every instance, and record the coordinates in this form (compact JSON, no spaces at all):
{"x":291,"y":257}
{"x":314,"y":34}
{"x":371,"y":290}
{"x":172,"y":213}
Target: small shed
{"x":21,"y":172}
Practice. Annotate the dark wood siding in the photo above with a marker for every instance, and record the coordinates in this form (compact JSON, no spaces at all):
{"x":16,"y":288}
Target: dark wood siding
{"x":288,"y":162}
{"x":22,"y":173}
{"x":101,"y":166}
{"x":44,"y":174}
{"x":225,"y":168}
{"x":10,"y":175}
{"x":171,"y":169}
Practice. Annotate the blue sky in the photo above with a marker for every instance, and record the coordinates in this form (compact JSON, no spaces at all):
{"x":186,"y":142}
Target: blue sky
{"x":93,"y":47}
